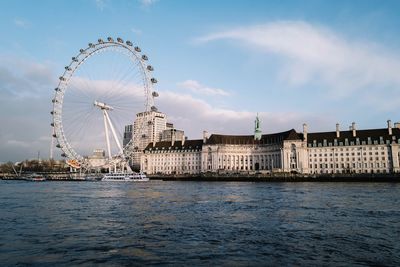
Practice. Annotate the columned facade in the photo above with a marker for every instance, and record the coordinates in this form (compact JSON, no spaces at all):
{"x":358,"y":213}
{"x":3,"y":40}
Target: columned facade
{"x":352,"y":151}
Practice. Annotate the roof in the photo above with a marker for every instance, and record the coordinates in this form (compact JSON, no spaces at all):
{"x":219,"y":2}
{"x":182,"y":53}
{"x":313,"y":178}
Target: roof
{"x":188,"y":144}
{"x":275,"y":138}
{"x":361,"y":135}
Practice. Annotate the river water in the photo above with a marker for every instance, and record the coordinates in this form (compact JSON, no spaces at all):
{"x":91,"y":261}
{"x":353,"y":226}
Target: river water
{"x":199,"y":223}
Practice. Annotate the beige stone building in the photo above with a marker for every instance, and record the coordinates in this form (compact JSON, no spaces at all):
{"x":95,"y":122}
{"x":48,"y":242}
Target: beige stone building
{"x":351,"y":151}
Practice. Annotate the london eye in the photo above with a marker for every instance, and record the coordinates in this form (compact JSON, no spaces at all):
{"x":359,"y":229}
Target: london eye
{"x":98,"y":94}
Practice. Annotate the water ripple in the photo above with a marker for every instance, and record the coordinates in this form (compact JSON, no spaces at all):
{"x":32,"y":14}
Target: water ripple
{"x":199,"y":223}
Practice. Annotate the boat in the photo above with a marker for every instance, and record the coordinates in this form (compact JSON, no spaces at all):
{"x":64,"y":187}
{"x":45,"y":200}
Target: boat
{"x":35,"y":177}
{"x":125,"y":176}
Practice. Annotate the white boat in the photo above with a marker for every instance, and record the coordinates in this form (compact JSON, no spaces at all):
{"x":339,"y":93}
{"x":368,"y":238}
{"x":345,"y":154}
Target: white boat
{"x":35,"y":177}
{"x":124,"y":176}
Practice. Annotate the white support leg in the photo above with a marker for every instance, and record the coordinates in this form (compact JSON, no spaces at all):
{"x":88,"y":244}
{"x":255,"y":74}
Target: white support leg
{"x":107,"y":137}
{"x":113,"y":132}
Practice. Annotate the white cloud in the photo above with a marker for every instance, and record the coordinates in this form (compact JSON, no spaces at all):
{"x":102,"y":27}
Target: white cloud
{"x":198,"y":88}
{"x":147,"y":3}
{"x":21,"y":23}
{"x":316,"y":54}
{"x":194,"y":115}
{"x":136,"y":31}
{"x":25,"y":78}
{"x":25,"y":92}
{"x":100,"y":4}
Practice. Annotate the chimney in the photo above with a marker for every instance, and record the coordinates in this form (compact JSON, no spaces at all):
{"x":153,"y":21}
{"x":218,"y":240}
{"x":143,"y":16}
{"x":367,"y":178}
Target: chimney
{"x":397,"y":125}
{"x":389,"y":123}
{"x":205,"y":136}
{"x":337,"y":130}
{"x":353,"y":128}
{"x":183,"y":139}
{"x":305,"y":131}
{"x":172,"y":137}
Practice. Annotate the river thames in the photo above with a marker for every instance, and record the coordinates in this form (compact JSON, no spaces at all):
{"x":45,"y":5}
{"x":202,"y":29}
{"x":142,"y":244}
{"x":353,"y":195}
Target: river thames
{"x":199,"y":223}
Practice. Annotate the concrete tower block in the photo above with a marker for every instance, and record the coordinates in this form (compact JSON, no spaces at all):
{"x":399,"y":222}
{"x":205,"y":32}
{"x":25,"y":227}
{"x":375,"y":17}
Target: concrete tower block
{"x":389,"y":124}
{"x":337,"y":130}
{"x":205,"y":137}
{"x":305,"y":131}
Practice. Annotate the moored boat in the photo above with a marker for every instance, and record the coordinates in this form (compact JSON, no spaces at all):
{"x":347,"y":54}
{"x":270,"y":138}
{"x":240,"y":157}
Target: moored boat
{"x":124,"y":176}
{"x":35,"y":177}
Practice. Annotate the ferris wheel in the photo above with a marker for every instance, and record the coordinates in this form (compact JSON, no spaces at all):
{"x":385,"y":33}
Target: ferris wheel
{"x":98,"y":95}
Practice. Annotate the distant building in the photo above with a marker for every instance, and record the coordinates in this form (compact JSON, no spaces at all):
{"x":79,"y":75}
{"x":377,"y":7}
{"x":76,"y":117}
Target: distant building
{"x":172,"y":157}
{"x":352,"y":151}
{"x":172,"y":134}
{"x":97,"y":159}
{"x":147,"y":128}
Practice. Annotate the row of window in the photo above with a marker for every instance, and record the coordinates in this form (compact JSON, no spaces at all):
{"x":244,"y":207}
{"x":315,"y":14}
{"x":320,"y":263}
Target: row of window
{"x":345,"y":159}
{"x":349,"y":148}
{"x":346,"y":154}
{"x":348,"y":165}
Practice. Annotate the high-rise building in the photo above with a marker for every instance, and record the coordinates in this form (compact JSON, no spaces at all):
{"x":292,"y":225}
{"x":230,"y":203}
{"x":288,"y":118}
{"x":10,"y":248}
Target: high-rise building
{"x":147,"y":128}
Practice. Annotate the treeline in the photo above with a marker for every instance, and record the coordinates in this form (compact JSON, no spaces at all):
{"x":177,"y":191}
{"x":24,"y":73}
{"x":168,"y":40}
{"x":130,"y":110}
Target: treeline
{"x":34,"y":166}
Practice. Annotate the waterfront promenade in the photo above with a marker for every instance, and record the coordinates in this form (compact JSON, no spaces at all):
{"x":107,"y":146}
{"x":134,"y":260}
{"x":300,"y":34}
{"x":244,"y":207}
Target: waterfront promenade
{"x":238,"y":177}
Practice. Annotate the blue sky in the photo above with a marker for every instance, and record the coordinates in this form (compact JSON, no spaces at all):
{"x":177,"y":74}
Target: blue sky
{"x":218,"y":63}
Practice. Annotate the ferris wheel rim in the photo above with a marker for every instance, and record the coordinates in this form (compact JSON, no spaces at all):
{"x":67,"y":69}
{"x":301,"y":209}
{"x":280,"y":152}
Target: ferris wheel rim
{"x":134,"y":53}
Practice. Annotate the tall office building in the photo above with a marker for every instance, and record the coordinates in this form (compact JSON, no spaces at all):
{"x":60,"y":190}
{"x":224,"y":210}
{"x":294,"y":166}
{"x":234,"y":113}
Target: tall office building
{"x":147,"y":128}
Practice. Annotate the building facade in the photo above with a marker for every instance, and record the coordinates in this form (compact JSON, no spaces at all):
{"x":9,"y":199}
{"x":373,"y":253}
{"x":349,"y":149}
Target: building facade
{"x":172,"y":157}
{"x":147,"y":128}
{"x":352,"y":151}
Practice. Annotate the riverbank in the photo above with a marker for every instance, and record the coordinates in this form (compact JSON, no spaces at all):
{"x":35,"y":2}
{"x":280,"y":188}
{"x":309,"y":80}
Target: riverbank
{"x":281,"y":178}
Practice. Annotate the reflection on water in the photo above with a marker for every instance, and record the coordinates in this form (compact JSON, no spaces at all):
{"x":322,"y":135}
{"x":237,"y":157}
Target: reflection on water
{"x":199,"y":223}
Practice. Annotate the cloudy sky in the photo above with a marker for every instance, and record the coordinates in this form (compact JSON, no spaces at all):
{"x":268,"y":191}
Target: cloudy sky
{"x":218,"y":63}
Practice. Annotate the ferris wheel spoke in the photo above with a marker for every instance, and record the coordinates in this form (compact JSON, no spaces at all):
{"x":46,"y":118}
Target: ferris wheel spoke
{"x":124,"y":75}
{"x":122,"y":78}
{"x":111,"y":73}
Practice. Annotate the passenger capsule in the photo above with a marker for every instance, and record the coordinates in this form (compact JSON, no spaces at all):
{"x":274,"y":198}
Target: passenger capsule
{"x":137,"y":49}
{"x":129,"y":43}
{"x":52,"y":112}
{"x":154,"y":108}
{"x":63,"y":155}
{"x":153,"y":80}
{"x":68,"y":68}
{"x":62,"y":78}
{"x":144,"y":57}
{"x":110,"y":39}
{"x":74,"y":59}
{"x":54,"y":135}
{"x":58,"y":145}
{"x":52,"y":124}
{"x":100,"y":41}
{"x":120,"y":40}
{"x":150,"y":68}
{"x":155,"y":94}
{"x":57,"y":89}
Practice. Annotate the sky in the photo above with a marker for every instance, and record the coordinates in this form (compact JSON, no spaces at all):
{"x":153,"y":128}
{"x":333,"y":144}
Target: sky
{"x":218,"y":63}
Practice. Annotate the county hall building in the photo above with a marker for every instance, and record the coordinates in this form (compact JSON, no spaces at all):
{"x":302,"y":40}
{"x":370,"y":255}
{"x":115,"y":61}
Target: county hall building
{"x":350,"y":151}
